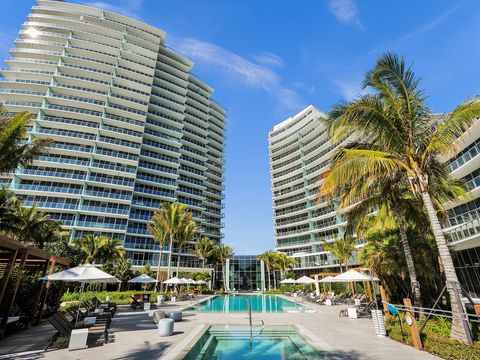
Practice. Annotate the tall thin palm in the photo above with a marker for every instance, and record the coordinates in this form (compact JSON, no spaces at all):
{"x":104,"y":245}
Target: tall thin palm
{"x":187,"y":233}
{"x":203,"y":249}
{"x":223,"y":252}
{"x":172,"y":216}
{"x":268,"y":260}
{"x":14,"y":151}
{"x":157,"y":228}
{"x":404,"y":139}
{"x":342,"y":249}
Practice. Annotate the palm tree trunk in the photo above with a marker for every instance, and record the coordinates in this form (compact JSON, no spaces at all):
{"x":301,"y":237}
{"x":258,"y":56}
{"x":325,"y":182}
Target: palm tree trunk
{"x":178,"y":259}
{"x":203,"y":264}
{"x":268,"y":272}
{"x":460,"y":330}
{"x":170,"y":257}
{"x":409,"y":259}
{"x":159,"y":284}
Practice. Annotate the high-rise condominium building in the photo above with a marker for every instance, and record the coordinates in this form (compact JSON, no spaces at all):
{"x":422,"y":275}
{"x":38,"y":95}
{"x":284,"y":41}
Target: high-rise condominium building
{"x":300,"y":150}
{"x":132,"y":127}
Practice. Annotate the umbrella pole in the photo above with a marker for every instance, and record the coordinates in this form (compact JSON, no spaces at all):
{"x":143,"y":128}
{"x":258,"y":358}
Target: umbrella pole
{"x":80,"y":301}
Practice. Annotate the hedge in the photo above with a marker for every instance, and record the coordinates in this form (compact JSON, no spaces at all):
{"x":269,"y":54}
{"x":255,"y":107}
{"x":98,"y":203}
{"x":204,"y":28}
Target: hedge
{"x":119,"y":297}
{"x":436,"y":340}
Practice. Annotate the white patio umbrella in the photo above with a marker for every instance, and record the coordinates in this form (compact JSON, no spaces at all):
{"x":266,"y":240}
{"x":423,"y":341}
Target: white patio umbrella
{"x":287,"y":281}
{"x":201,"y":282}
{"x":327,"y":279}
{"x":304,"y":280}
{"x":142,"y":279}
{"x":173,"y":281}
{"x":352,"y":276}
{"x":86,"y":273}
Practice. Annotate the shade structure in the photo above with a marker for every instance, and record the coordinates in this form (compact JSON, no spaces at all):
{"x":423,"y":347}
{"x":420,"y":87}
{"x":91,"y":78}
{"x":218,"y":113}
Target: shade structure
{"x":304,"y":280}
{"x":174,"y":281}
{"x":287,"y":281}
{"x":142,"y":279}
{"x":191,"y":281}
{"x":326,"y":279}
{"x":352,"y":276}
{"x":201,"y":282}
{"x":86,"y":273}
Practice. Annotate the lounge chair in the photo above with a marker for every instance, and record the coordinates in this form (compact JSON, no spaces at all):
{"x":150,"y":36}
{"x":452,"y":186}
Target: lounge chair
{"x":64,"y":329}
{"x":134,"y":304}
{"x":362,"y":311}
{"x":75,"y":313}
{"x":111,"y":306}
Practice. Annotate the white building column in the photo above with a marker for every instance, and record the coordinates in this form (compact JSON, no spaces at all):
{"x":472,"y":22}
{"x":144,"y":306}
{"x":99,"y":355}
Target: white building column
{"x":262,"y":275}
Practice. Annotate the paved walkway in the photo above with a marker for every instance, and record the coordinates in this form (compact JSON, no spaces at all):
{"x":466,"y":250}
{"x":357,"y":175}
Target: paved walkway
{"x":134,"y":336}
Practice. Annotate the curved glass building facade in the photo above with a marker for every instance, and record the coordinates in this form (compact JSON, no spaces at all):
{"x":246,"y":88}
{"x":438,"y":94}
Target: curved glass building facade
{"x":300,"y":151}
{"x":132,"y":127}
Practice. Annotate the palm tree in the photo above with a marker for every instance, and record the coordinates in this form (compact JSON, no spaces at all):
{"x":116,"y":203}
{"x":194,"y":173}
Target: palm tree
{"x":268,"y":259}
{"x":404,"y":141}
{"x":9,"y":204}
{"x":112,"y":250}
{"x":223,"y":252}
{"x":13,"y":151}
{"x":187,"y":232}
{"x":122,"y":270}
{"x":34,"y":226}
{"x":342,"y":249}
{"x":172,"y":217}
{"x":157,"y":228}
{"x":203,"y":249}
{"x":284,"y":262}
{"x":100,"y":249}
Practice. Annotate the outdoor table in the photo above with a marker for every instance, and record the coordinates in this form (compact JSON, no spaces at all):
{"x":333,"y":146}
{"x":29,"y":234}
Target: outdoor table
{"x":78,"y":339}
{"x":89,"y":320}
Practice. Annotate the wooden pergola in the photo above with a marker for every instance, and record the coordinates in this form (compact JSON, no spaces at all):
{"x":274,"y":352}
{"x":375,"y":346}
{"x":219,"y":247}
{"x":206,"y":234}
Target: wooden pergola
{"x":15,"y":254}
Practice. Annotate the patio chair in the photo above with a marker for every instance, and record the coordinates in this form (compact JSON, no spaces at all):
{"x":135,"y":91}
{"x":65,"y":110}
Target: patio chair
{"x":111,"y":306}
{"x":99,"y":319}
{"x":362,"y":311}
{"x":135,"y":303}
{"x":92,"y":310}
{"x":64,"y":329}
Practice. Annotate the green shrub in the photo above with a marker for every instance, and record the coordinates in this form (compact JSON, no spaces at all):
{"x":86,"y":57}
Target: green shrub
{"x":436,"y":340}
{"x":273,"y":291}
{"x":119,"y":297}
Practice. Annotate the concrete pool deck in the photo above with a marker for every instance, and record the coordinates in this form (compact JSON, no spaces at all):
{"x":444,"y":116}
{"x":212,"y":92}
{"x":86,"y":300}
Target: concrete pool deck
{"x":135,"y":336}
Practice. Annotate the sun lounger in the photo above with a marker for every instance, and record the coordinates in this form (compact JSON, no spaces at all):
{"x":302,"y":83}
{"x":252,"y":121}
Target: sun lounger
{"x":135,"y":303}
{"x":64,"y":329}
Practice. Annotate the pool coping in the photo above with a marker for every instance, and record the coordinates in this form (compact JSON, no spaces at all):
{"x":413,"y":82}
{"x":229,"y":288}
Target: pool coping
{"x":183,"y":347}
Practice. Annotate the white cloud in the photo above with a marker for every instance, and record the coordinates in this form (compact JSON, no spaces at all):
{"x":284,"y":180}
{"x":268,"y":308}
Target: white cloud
{"x":269,"y":59}
{"x":238,"y":69}
{"x":346,"y":11}
{"x":410,"y":36}
{"x":128,"y":8}
{"x":349,"y":89}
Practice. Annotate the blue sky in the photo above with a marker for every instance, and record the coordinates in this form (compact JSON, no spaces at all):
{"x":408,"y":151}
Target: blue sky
{"x":269,"y":59}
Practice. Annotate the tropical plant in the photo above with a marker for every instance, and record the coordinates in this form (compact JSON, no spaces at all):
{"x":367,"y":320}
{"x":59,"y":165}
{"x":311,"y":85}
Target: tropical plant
{"x":14,"y":151}
{"x":223,"y":252}
{"x":9,"y":204}
{"x":268,"y":259}
{"x":34,"y":226}
{"x":342,"y":249}
{"x":99,"y":249}
{"x":399,"y":137}
{"x":172,"y":217}
{"x":122,"y":270}
{"x":157,"y":229}
{"x":203,"y":249}
{"x":187,"y":233}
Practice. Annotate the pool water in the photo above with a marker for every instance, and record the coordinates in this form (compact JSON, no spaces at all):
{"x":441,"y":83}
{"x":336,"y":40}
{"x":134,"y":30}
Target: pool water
{"x":239,"y":303}
{"x":270,"y":342}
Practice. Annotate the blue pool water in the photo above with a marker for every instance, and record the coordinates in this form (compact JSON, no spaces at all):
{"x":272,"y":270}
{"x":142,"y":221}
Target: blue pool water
{"x":239,"y":303}
{"x":270,"y":342}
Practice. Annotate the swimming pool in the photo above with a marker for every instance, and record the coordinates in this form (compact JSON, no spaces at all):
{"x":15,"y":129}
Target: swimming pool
{"x":269,"y":342}
{"x":239,"y":303}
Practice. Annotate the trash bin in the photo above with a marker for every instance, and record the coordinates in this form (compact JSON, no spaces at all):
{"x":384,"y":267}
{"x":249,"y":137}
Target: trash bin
{"x":378,"y":323}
